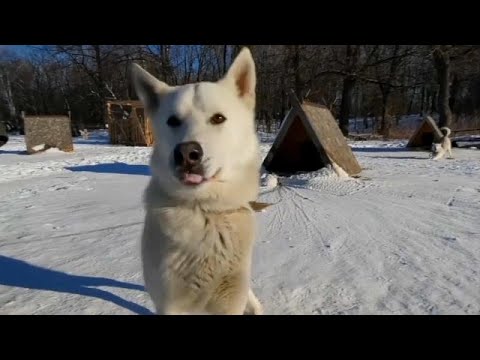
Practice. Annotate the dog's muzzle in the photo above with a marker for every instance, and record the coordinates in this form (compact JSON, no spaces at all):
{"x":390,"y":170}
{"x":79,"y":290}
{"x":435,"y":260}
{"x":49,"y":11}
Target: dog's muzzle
{"x":187,"y":158}
{"x":188,"y":154}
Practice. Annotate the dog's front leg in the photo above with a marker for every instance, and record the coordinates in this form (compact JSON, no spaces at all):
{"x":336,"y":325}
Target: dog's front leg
{"x":438,"y":156}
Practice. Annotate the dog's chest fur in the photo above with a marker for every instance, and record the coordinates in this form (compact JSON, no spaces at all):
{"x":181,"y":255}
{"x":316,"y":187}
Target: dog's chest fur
{"x":192,"y":251}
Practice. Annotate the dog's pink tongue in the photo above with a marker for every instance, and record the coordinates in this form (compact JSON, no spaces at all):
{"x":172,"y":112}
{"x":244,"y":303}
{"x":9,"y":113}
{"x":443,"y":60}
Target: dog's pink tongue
{"x":193,"y":179}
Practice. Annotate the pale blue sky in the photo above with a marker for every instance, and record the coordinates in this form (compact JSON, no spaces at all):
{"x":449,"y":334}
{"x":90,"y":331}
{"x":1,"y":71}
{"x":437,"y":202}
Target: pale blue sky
{"x":19,"y":49}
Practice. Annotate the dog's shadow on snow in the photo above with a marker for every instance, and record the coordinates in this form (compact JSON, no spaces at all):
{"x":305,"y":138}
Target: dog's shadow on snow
{"x":378,"y":149}
{"x":400,"y":157}
{"x":375,"y":150}
{"x":19,"y":273}
{"x":13,"y":152}
{"x":113,"y":168}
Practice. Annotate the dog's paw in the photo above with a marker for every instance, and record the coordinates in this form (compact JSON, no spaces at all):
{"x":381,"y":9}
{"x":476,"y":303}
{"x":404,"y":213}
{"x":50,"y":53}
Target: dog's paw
{"x":254,"y":307}
{"x":254,"y":310}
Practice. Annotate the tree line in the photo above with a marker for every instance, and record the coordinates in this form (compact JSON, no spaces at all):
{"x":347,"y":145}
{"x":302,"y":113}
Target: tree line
{"x":380,"y":82}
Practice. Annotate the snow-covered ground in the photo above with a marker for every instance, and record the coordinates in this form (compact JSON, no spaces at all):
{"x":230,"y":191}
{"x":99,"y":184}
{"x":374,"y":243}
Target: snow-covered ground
{"x":402,"y":239}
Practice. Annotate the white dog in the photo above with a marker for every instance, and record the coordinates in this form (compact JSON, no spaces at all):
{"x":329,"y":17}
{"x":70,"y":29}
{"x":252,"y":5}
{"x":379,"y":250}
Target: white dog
{"x":199,"y":227}
{"x":439,"y":150}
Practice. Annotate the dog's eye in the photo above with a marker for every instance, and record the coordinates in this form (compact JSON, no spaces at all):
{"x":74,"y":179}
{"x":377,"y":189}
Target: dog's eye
{"x":217,"y":119}
{"x":174,"y":121}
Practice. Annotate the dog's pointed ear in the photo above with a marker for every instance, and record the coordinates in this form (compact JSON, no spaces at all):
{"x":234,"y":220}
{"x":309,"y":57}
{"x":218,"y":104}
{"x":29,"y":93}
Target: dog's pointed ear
{"x":242,"y":76}
{"x":148,"y":88}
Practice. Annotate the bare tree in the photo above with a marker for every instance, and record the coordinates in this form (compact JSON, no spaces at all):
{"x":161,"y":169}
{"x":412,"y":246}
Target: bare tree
{"x":443,"y":56}
{"x":379,"y":81}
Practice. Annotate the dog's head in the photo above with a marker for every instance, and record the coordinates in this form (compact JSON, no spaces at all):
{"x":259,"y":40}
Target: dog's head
{"x":206,"y":148}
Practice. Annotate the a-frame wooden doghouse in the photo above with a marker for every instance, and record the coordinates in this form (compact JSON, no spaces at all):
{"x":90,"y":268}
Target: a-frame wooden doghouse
{"x":309,"y":139}
{"x":425,"y":135}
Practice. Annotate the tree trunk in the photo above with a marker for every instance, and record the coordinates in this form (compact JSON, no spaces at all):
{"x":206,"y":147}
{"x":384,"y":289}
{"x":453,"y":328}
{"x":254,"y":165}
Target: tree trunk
{"x":100,"y":80}
{"x":351,"y":62}
{"x":235,"y":51}
{"x":386,"y":89}
{"x":412,"y":101}
{"x":356,"y":108}
{"x":296,"y":67}
{"x":225,"y":51}
{"x":422,"y":101}
{"x":348,"y":86}
{"x":385,"y":122}
{"x":6,"y":88}
{"x":454,"y":89}
{"x":164,"y":66}
{"x":433,"y":105}
{"x":100,"y":72}
{"x":284,"y":97}
{"x":441,"y":60}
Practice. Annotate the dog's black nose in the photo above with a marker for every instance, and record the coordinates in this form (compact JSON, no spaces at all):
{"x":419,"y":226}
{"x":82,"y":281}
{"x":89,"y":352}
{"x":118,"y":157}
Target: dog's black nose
{"x":188,"y":153}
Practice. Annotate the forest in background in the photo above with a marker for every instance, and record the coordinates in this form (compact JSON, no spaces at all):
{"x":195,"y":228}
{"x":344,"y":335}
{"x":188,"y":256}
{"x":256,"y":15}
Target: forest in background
{"x":381,"y":82}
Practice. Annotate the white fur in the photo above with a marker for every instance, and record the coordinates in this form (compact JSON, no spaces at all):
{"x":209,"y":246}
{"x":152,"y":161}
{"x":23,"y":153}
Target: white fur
{"x":439,"y":150}
{"x":198,"y":240}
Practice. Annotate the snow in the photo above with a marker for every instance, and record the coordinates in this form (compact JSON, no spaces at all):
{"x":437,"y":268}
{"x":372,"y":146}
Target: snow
{"x":404,"y":238}
{"x":38,"y":147}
